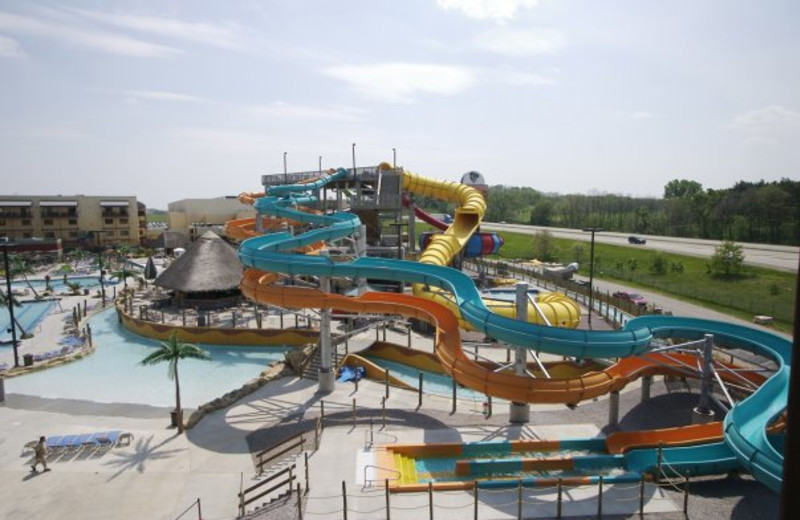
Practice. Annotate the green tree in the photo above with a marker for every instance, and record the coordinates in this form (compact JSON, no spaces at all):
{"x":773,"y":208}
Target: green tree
{"x":544,"y":246}
{"x":659,"y":264}
{"x":124,"y":273}
{"x":172,"y":351}
{"x":7,"y":301}
{"x":727,"y":260}
{"x":19,"y":267}
{"x":682,"y":189}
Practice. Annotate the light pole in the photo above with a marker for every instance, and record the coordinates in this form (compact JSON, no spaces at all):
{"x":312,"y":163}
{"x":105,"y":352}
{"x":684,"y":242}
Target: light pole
{"x":10,"y":302}
{"x":394,"y":158}
{"x":285,"y":171}
{"x":354,"y":159}
{"x":591,"y":272}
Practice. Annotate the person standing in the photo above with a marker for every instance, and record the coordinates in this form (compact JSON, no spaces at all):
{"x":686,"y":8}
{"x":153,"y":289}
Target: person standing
{"x":40,"y":452}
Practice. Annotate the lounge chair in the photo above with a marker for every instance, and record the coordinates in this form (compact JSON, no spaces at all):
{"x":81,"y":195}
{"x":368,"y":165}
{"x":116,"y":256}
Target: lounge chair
{"x":113,"y":438}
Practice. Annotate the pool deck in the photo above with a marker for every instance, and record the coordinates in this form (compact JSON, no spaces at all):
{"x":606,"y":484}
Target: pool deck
{"x":161,"y":474}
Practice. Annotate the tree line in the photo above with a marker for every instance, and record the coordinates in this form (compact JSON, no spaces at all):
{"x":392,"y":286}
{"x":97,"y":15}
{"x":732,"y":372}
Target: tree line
{"x":766,"y":212}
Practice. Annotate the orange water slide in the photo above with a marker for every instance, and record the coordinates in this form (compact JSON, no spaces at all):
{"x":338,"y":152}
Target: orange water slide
{"x":258,"y":286}
{"x":620,"y":442}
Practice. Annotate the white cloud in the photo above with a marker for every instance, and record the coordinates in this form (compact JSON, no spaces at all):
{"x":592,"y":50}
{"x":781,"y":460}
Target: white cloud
{"x":400,"y":82}
{"x":488,"y":9}
{"x":768,"y":125}
{"x":521,"y":79}
{"x":773,"y":117}
{"x":83,"y":37}
{"x":224,"y":36}
{"x":154,"y":95}
{"x":520,"y":43}
{"x":280,"y":109}
{"x":642,"y":114}
{"x":10,"y":48}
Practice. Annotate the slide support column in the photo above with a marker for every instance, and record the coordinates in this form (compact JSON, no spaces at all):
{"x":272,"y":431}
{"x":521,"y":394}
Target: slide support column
{"x":520,"y":412}
{"x":326,"y":374}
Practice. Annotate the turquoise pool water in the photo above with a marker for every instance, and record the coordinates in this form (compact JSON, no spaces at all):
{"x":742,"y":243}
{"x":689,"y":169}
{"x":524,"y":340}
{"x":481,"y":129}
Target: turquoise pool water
{"x":113,"y":374}
{"x":431,"y":383}
{"x":28,"y":315}
{"x":57,"y":283}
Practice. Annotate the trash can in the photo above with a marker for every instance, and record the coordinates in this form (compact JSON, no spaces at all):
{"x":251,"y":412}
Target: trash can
{"x":173,"y":416}
{"x":27,"y":360}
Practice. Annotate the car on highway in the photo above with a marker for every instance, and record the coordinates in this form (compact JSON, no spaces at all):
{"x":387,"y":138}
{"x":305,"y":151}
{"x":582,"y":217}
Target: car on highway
{"x":636,"y":240}
{"x":631,"y":297}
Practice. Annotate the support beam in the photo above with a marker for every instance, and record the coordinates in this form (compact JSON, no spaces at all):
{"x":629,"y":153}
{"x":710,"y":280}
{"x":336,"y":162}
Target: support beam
{"x":326,"y":375}
{"x":520,"y":412}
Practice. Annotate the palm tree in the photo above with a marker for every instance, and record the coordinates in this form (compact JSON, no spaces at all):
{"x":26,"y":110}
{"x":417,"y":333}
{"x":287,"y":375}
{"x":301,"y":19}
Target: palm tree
{"x":6,"y":301}
{"x":78,"y":255}
{"x":19,"y":267}
{"x":124,"y":273}
{"x":171,"y":351}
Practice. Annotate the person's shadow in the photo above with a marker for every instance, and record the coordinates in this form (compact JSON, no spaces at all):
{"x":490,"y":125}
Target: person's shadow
{"x":33,"y":474}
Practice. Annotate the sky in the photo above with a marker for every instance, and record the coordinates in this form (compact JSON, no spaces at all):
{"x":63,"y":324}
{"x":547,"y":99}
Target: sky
{"x":178,"y":99}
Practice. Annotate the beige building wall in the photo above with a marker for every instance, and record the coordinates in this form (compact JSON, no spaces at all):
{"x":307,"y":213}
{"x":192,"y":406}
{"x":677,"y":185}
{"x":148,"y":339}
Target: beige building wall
{"x":79,"y":220}
{"x":192,"y":217}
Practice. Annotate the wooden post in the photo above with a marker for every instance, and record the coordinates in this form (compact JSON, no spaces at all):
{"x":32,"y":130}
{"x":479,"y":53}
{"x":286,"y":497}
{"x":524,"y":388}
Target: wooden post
{"x":387,"y":383}
{"x":559,"y":497}
{"x":430,"y":500}
{"x":383,"y":413}
{"x":388,"y":505}
{"x":686,"y":496}
{"x":660,"y":460}
{"x":455,"y":390}
{"x":475,"y":507}
{"x":641,"y":496}
{"x":600,"y":497}
{"x":419,"y":393}
{"x":281,"y":318}
{"x":344,"y":500}
{"x":299,"y":503}
{"x":241,"y":494}
{"x":354,"y":412}
{"x":519,"y":499}
{"x":322,"y":414}
{"x":305,"y":456}
{"x":409,"y":335}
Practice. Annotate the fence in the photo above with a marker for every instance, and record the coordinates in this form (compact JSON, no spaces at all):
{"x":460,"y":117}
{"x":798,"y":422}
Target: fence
{"x":518,"y":500}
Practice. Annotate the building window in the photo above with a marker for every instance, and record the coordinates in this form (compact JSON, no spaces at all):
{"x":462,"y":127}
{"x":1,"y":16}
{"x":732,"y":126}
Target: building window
{"x":73,"y":222}
{"x":109,"y":233}
{"x":49,"y":234}
{"x":73,"y":234}
{"x":26,"y":222}
{"x":124,"y":233}
{"x":123,"y":221}
{"x":48,"y":222}
{"x":26,"y":235}
{"x":109,"y":221}
{"x":2,"y":222}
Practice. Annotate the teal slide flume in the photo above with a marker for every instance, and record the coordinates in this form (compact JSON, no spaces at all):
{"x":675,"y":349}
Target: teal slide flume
{"x":746,"y":441}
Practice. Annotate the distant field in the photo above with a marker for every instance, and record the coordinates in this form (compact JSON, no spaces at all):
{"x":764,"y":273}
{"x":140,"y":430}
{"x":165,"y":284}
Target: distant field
{"x":158,"y":218}
{"x":760,"y":291}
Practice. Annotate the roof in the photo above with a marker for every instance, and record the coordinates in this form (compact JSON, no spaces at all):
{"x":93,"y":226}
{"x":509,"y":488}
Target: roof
{"x":210,"y":264}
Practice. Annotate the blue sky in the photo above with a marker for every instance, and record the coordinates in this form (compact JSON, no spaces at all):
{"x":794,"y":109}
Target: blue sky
{"x":198,"y":98}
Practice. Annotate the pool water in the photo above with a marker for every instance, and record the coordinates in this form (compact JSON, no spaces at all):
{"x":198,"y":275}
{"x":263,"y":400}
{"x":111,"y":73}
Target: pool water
{"x":113,"y":373}
{"x":27,"y":314}
{"x":431,"y":383}
{"x":57,"y":283}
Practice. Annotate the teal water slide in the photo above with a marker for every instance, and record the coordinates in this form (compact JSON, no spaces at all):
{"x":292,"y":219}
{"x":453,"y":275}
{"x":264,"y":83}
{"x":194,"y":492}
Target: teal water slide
{"x":746,"y":442}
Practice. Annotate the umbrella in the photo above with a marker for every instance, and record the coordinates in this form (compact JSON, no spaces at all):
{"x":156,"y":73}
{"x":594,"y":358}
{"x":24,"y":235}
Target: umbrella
{"x":150,"y":272}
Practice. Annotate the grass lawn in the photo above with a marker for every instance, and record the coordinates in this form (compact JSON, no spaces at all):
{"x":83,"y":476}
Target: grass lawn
{"x":757,"y":291}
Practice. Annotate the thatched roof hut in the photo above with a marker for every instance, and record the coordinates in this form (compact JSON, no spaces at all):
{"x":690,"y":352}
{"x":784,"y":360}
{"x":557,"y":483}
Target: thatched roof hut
{"x":208,"y":273}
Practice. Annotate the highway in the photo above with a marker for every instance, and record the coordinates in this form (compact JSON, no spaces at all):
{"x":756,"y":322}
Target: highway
{"x":782,"y":258}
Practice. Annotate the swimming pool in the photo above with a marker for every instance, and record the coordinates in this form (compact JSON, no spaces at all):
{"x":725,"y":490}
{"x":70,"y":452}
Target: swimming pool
{"x":113,"y":374}
{"x":28,"y":315}
{"x":57,"y":283}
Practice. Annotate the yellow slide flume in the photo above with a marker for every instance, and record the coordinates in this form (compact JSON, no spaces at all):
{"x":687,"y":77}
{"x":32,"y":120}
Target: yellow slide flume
{"x":559,"y":310}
